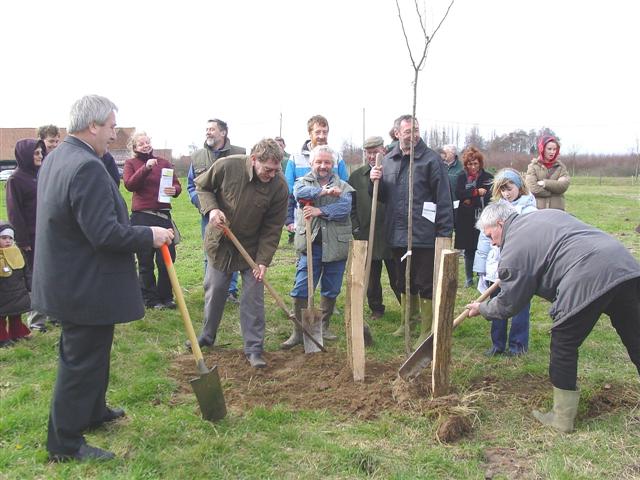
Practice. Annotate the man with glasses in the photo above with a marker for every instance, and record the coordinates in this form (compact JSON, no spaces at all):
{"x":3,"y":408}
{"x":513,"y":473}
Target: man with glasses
{"x":248,"y":194}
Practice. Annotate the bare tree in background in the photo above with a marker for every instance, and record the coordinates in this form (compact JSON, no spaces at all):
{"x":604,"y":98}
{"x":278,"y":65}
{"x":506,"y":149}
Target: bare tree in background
{"x":417,"y":67}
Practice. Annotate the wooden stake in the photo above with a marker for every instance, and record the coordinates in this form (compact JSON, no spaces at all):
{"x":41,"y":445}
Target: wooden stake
{"x":443,"y":322}
{"x":442,"y":243}
{"x":354,"y":308}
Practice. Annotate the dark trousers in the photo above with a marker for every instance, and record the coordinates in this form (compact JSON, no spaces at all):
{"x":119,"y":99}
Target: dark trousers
{"x":153,"y":292}
{"x":622,"y":305}
{"x":81,"y":385}
{"x":421,"y":279}
{"x":374,"y":287}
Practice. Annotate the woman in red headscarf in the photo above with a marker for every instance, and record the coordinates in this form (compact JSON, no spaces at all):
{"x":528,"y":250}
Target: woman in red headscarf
{"x":547,"y":177}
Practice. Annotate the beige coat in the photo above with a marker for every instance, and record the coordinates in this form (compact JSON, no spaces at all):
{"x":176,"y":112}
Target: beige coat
{"x":556,"y":182}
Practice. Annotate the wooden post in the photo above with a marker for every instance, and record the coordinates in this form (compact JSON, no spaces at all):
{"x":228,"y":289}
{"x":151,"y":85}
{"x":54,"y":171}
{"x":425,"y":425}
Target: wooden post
{"x":442,"y":243}
{"x":443,"y":322}
{"x":354,"y":308}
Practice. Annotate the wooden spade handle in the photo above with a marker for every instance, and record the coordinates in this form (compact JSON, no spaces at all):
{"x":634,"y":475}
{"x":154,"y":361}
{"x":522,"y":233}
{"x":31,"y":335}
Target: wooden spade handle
{"x":182,"y":306}
{"x":271,"y":290}
{"x":372,"y":226}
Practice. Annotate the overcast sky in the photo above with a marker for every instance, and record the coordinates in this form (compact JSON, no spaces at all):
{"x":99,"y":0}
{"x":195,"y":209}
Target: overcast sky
{"x":169,"y":66}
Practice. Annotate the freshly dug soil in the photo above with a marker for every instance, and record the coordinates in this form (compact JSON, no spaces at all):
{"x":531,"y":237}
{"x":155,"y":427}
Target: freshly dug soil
{"x":319,"y":381}
{"x":323,"y":381}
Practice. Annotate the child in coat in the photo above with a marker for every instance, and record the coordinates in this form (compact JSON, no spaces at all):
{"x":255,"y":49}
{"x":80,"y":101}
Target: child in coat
{"x":508,"y":186}
{"x":14,"y":288}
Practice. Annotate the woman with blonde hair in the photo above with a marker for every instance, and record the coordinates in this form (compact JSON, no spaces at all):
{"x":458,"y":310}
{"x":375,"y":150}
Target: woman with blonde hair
{"x":141,"y":176}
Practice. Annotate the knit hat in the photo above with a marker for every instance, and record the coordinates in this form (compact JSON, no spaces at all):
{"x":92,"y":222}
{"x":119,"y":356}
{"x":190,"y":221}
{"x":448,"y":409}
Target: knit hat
{"x":511,"y":175}
{"x":6,"y":229}
{"x":373,"y":142}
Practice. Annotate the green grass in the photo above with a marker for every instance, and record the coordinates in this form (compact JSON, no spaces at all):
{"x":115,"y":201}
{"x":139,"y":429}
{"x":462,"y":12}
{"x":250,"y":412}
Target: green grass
{"x":163,"y":438}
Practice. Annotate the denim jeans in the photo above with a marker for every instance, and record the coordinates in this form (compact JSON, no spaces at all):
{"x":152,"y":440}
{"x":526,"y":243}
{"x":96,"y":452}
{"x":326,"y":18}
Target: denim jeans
{"x":331,"y":273}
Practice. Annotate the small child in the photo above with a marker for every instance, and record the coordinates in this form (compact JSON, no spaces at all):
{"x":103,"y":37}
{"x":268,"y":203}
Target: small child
{"x":14,"y":288}
{"x":508,"y":186}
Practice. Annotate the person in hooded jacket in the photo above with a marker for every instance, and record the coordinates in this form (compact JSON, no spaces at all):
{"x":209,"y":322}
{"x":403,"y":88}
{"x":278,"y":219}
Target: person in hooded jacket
{"x":547,"y":177}
{"x":142,"y":177}
{"x":21,"y":190}
{"x":15,"y":283}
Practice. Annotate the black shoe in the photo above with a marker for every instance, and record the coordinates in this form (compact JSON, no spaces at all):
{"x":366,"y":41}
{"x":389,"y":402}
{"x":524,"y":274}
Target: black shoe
{"x":256,"y":360}
{"x":111,"y":415}
{"x":84,"y":454}
{"x":233,"y":298}
{"x":202,"y":342}
{"x":171,"y":305}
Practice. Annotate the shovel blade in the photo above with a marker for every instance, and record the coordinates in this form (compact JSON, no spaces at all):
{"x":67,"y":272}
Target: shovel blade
{"x":312,"y":324}
{"x":418,"y":360}
{"x":208,"y":390}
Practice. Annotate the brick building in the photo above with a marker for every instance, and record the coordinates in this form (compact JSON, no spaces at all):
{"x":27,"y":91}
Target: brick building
{"x":10,"y":136}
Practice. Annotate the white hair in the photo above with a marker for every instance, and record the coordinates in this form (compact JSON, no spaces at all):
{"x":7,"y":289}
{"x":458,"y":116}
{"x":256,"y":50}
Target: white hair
{"x":493,"y":213}
{"x":450,"y":148}
{"x":90,"y":108}
{"x":322,"y":149}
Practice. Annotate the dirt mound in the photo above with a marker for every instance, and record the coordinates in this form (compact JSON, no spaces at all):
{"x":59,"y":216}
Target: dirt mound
{"x":320,"y":381}
{"x":609,"y":398}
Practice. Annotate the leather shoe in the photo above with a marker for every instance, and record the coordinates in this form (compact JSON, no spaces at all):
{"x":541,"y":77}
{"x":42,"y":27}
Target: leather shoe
{"x":256,"y":360}
{"x":84,"y":454}
{"x":111,"y":415}
{"x":202,"y":342}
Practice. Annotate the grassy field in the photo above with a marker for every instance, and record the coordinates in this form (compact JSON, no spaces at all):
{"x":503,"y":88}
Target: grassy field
{"x":164,"y":437}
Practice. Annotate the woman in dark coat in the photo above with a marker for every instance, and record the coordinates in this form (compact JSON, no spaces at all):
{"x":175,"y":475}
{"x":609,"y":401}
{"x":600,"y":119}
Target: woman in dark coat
{"x":473,"y":190}
{"x":21,"y":191}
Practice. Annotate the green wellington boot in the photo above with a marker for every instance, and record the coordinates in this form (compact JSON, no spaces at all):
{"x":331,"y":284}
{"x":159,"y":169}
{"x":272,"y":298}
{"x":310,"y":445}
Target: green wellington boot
{"x":565,"y":409}
{"x":414,"y":313}
{"x":426,"y":320}
{"x":326,"y":308}
{"x":296,"y":335}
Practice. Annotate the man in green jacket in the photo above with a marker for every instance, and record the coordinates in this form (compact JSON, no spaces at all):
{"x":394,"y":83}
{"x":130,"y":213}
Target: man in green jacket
{"x":360,"y":222}
{"x":249,"y":194}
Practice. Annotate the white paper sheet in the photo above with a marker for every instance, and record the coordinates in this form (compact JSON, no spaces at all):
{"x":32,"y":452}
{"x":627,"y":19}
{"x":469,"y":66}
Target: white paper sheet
{"x":166,"y":180}
{"x":429,"y":211}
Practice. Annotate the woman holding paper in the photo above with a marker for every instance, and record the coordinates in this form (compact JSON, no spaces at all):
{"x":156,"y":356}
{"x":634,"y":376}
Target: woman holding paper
{"x":153,"y":183}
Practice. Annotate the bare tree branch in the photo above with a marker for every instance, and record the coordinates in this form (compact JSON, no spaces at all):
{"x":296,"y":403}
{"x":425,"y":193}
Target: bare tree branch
{"x":424,"y":30}
{"x":404,"y":32}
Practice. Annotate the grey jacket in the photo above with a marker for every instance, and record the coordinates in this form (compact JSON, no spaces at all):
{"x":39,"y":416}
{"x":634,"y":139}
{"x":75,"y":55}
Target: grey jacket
{"x":430,"y":184}
{"x":554,"y":255}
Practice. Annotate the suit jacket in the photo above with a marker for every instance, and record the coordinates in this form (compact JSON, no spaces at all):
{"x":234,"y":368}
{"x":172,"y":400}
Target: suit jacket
{"x":84,"y":266}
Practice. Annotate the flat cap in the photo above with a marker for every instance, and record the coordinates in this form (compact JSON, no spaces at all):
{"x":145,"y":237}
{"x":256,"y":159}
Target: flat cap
{"x":373,"y":142}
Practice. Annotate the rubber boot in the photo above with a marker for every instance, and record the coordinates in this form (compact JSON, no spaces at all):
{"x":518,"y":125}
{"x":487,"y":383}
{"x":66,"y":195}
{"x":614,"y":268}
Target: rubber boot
{"x":426,"y":320}
{"x":296,"y":335}
{"x":565,"y":409}
{"x":414,"y":314}
{"x":326,"y":307}
{"x":468,"y":271}
{"x":368,"y":338}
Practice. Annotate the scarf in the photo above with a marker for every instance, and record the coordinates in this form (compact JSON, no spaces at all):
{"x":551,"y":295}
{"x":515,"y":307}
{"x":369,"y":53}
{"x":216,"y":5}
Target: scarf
{"x":144,"y":156}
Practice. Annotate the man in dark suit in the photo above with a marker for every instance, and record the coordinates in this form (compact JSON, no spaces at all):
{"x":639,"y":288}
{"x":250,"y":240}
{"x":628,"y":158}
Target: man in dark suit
{"x":85,"y":274}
